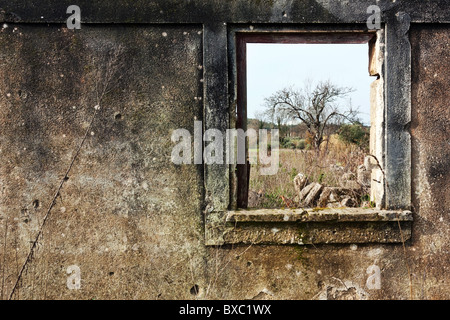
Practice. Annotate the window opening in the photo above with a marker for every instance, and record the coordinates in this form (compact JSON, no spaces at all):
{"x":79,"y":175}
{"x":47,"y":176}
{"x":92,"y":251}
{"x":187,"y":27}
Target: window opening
{"x":315,"y":89}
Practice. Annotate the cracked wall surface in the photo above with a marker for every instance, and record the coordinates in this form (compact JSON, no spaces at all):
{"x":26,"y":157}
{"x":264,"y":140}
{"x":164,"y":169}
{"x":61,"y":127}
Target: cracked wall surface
{"x":133,"y":221}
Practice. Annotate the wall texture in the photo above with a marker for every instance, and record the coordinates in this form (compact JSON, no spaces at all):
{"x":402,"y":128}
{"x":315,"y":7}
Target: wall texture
{"x":430,"y":128}
{"x":129,"y":218}
{"x":125,"y":212}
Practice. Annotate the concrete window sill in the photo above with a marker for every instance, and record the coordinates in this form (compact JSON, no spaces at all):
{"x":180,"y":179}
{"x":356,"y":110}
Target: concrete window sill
{"x":317,"y":226}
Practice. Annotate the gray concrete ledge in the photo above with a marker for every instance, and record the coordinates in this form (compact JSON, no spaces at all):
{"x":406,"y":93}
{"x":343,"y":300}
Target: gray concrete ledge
{"x":315,"y":226}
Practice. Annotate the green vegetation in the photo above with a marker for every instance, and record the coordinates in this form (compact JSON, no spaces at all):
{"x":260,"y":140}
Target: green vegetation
{"x":293,"y":143}
{"x":356,"y":134}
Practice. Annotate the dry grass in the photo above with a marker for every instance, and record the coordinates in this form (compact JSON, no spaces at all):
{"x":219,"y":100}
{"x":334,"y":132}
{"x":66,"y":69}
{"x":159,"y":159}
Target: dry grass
{"x":325,"y":167}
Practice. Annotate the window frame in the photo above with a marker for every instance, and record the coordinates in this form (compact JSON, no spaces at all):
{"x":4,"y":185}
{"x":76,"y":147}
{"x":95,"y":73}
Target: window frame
{"x":222,"y":218}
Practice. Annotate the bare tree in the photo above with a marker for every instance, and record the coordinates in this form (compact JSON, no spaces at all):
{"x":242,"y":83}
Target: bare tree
{"x":280,"y":118}
{"x":261,"y":118}
{"x":316,"y":107}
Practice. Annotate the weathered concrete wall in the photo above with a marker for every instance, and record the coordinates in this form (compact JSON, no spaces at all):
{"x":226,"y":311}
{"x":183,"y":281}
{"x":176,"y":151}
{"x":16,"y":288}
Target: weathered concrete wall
{"x":430,"y":128}
{"x":216,"y":11}
{"x":127,"y":216}
{"x":130,"y":219}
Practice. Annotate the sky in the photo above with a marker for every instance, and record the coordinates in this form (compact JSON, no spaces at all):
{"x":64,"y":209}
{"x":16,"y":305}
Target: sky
{"x":271,"y":67}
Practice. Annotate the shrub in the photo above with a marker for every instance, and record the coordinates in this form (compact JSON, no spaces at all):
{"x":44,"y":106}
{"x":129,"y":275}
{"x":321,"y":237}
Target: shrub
{"x":356,"y":134}
{"x":287,"y":143}
{"x":301,"y":144}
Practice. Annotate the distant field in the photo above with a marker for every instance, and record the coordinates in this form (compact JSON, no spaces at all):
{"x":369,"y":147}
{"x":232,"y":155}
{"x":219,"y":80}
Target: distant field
{"x":326,"y":168}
